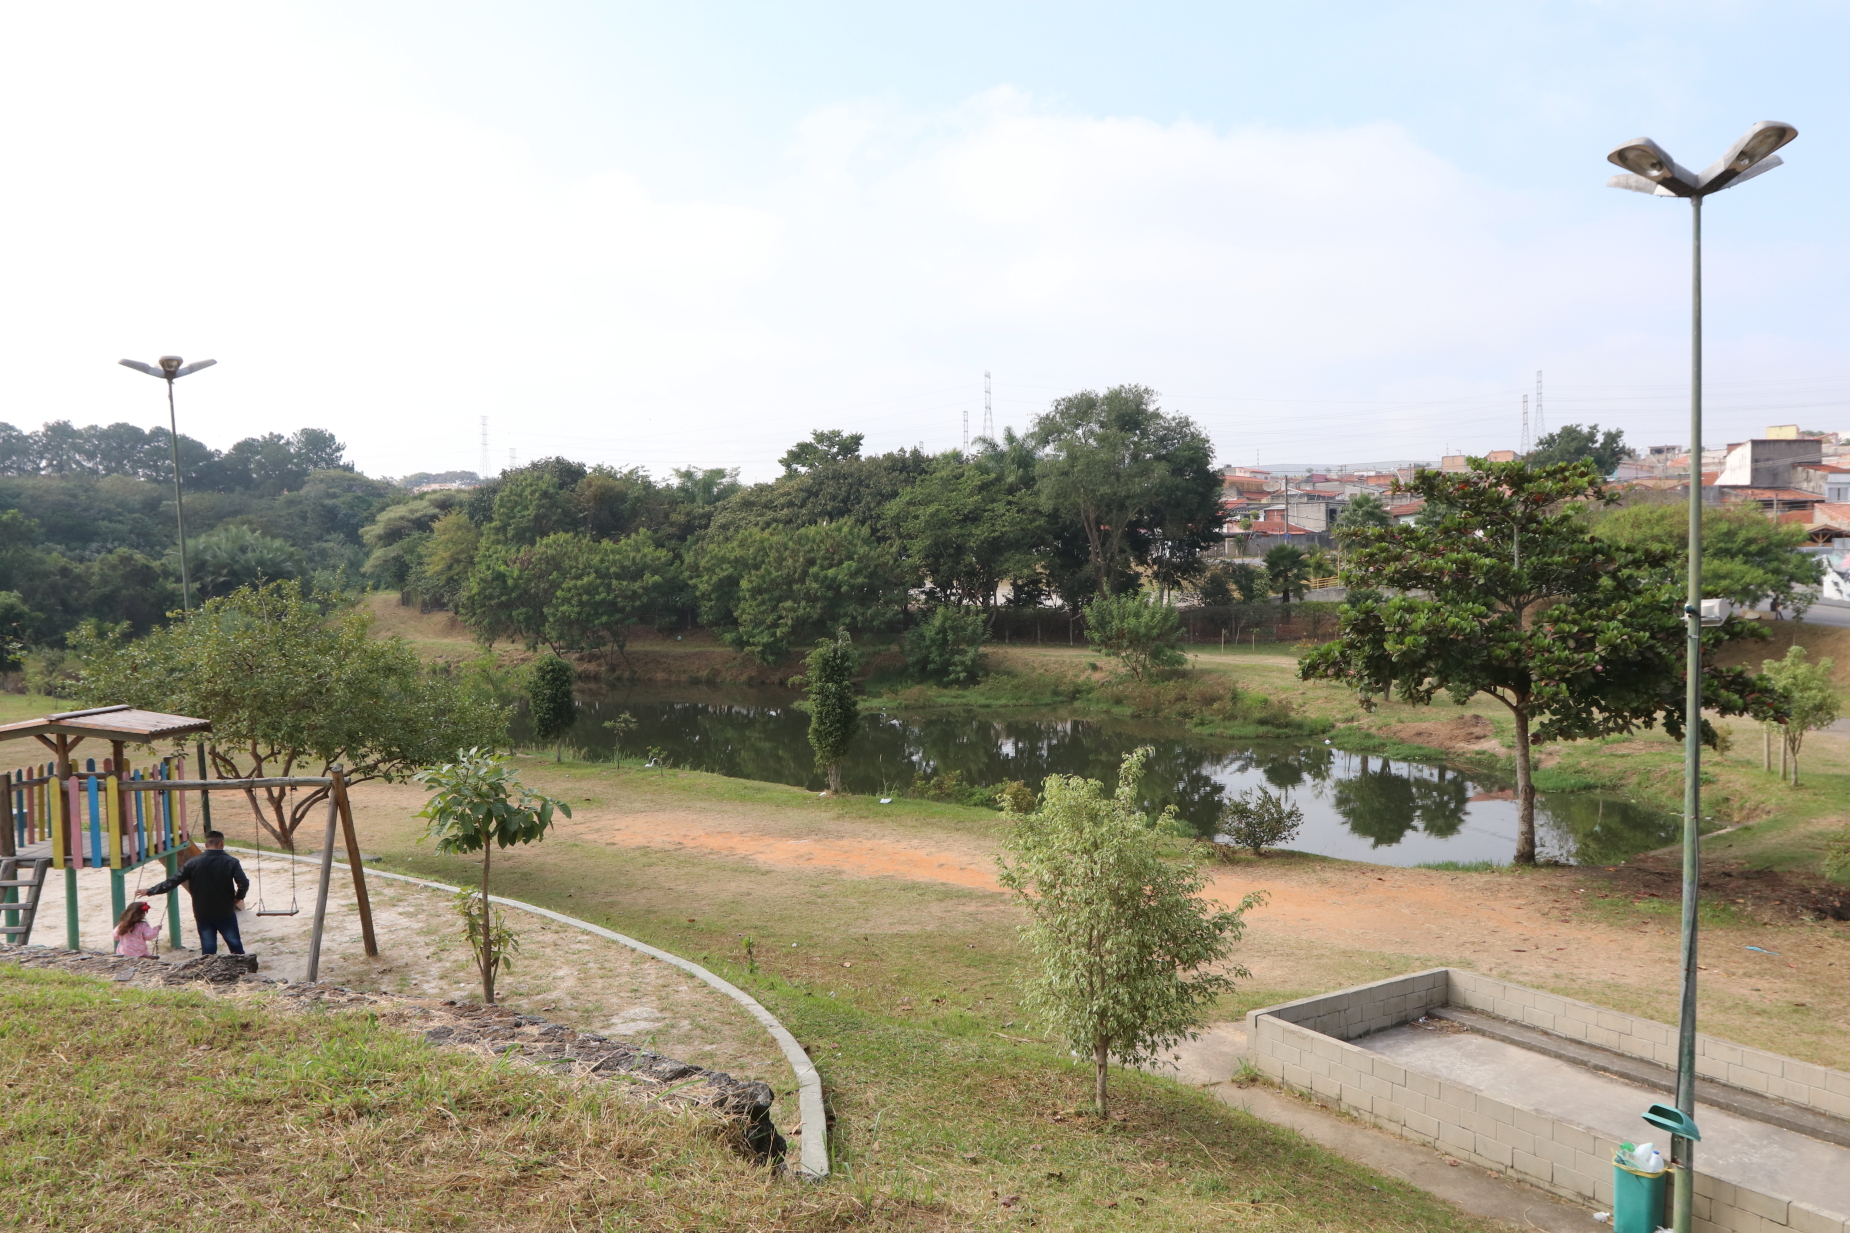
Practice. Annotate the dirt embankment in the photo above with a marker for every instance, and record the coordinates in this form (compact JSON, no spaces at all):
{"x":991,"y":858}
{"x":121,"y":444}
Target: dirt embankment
{"x":1459,"y":734}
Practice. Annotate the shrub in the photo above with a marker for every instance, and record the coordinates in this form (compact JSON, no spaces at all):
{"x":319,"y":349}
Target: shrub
{"x":551,"y":703}
{"x":1837,"y":856}
{"x":1143,"y":635}
{"x":947,"y":647}
{"x":1015,"y":796}
{"x":1257,"y":819}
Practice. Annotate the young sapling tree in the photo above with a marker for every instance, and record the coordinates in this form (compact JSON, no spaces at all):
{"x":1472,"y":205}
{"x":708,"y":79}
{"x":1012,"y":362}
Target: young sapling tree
{"x":834,"y":713}
{"x":1126,"y":953}
{"x":1811,"y":701}
{"x":478,"y":804}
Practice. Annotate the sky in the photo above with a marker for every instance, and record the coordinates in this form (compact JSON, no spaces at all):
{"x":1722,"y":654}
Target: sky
{"x":690,"y":234}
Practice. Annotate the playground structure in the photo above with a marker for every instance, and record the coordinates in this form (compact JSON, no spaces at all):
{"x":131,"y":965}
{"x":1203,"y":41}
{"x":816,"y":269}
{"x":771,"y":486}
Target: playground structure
{"x":121,"y":818}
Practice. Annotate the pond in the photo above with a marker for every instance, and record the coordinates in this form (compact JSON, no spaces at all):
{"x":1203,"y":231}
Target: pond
{"x":1356,"y":806}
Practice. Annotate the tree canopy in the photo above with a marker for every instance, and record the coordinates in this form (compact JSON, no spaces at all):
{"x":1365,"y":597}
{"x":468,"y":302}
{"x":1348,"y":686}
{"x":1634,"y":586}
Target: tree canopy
{"x":291,"y":688}
{"x":1746,"y":556}
{"x":1500,"y":590}
{"x":1134,"y":480}
{"x":1573,"y":443}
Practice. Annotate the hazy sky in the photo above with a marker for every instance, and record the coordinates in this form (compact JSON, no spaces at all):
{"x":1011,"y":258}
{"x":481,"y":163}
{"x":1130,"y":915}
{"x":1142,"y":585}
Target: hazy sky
{"x":691,"y":233}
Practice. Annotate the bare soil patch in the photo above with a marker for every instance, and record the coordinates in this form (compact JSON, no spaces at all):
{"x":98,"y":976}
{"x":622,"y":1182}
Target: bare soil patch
{"x":1459,"y":734}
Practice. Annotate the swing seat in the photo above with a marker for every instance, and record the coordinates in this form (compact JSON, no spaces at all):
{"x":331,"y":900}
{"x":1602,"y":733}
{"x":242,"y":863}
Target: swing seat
{"x":291,"y":910}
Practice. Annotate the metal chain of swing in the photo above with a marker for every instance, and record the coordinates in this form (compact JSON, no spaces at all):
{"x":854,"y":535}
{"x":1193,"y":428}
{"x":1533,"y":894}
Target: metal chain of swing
{"x":294,"y":907}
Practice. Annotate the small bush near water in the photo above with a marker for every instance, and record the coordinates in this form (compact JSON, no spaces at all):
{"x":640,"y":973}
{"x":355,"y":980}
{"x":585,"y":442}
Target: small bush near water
{"x":1258,"y":819}
{"x":1205,"y":701}
{"x":947,"y":647}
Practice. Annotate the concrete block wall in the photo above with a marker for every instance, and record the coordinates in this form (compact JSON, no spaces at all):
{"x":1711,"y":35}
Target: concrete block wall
{"x":1784,"y":1078}
{"x":1351,"y":1013}
{"x":1566,"y":1159}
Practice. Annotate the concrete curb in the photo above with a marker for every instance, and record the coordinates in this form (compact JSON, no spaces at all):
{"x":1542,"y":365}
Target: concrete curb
{"x":815,"y":1146}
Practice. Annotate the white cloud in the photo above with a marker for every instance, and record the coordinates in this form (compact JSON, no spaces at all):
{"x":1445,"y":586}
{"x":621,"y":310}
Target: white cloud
{"x":252,"y":183}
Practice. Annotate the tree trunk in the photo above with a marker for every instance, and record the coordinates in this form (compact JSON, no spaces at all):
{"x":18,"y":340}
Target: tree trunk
{"x":834,"y":779}
{"x":1101,"y":1051}
{"x":1525,"y":791}
{"x":484,"y":951}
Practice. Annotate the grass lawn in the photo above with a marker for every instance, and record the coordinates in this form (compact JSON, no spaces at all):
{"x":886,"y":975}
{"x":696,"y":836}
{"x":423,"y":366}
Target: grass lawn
{"x":137,"y":1109}
{"x":903,"y":989}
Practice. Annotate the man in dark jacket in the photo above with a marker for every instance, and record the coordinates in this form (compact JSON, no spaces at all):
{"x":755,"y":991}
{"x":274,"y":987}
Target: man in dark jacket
{"x":217,"y":884}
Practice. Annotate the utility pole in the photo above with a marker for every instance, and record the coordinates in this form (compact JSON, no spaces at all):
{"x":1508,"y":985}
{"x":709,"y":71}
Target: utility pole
{"x":989,"y":411}
{"x":484,"y":447}
{"x":510,"y":458}
{"x":1525,"y":425}
{"x":966,"y":432}
{"x":1541,"y":425}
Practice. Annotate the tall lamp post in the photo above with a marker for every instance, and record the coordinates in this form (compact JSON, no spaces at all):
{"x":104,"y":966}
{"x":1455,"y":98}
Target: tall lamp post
{"x":171,"y":369}
{"x":1649,"y":169}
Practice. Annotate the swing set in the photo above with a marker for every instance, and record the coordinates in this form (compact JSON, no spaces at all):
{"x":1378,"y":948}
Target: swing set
{"x":111,"y":816}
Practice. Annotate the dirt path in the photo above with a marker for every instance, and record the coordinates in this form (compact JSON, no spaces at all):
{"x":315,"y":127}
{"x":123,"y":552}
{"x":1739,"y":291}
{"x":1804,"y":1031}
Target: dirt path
{"x":1546,"y":927}
{"x":572,"y":977}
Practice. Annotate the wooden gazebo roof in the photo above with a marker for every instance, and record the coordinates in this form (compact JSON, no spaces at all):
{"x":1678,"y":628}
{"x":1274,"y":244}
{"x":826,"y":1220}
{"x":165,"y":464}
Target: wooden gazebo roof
{"x":109,"y":723}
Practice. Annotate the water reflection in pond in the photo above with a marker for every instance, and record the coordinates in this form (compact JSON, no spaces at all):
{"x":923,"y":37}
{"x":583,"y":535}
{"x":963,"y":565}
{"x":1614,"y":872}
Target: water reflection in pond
{"x":1356,"y":806}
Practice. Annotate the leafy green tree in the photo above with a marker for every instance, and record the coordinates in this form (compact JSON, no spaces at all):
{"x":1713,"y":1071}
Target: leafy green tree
{"x":1216,"y":587}
{"x":1746,"y":557}
{"x":1503,"y":592}
{"x":1286,"y":567}
{"x":291,"y":688}
{"x":965,"y":531}
{"x":705,"y":486}
{"x":232,"y":557}
{"x":610,"y":586}
{"x":834,"y":713}
{"x":1364,"y":510}
{"x":1143,"y":634}
{"x":572,"y":592}
{"x":1247,"y":580}
{"x":1810,"y":697}
{"x":947,"y":646}
{"x":1572,"y":443}
{"x":1258,"y":819}
{"x":763,"y":590}
{"x":1137,"y":482}
{"x":444,"y":562}
{"x":477,"y":804}
{"x":824,"y":446}
{"x":1126,"y":953}
{"x":551,"y":702}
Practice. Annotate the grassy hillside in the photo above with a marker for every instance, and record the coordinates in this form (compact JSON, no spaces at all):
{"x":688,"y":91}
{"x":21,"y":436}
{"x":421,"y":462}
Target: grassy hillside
{"x":133,"y":1109}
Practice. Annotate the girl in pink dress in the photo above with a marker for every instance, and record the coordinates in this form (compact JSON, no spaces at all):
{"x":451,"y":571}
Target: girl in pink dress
{"x":133,"y":932}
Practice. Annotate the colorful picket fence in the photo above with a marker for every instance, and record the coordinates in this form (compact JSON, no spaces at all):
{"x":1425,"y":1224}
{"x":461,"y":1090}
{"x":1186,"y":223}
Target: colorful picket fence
{"x":93,"y":819}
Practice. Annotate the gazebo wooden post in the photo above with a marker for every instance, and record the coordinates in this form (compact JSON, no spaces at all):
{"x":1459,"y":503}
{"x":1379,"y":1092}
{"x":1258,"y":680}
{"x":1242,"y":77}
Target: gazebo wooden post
{"x":354,"y":863}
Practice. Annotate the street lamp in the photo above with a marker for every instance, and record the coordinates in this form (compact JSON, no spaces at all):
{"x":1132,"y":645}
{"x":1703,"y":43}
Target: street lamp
{"x":172,"y":369}
{"x":1650,"y":169}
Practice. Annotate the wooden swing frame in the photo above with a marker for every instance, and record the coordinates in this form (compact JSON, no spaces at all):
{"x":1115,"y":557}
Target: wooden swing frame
{"x":111,"y":796}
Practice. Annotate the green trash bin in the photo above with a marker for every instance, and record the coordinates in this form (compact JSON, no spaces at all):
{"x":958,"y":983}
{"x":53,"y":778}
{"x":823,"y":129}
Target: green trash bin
{"x":1637,"y":1198}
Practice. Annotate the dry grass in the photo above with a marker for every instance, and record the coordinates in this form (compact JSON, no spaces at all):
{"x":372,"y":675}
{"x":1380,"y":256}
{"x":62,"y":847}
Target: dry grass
{"x":137,"y":1110}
